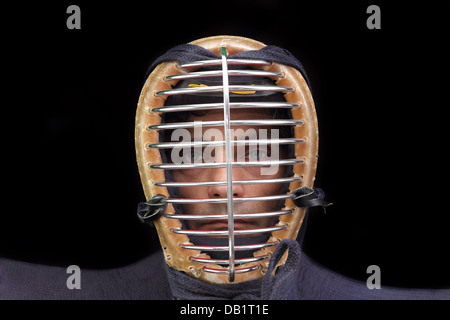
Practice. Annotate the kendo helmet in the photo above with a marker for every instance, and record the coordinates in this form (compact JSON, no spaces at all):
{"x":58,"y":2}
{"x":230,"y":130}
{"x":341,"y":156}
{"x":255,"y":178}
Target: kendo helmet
{"x":225,"y":73}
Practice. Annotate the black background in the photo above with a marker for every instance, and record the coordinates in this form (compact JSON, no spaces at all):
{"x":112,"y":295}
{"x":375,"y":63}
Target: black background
{"x":70,"y":178}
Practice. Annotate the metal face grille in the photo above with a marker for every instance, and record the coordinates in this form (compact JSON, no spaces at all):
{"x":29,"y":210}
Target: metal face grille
{"x":232,"y":263}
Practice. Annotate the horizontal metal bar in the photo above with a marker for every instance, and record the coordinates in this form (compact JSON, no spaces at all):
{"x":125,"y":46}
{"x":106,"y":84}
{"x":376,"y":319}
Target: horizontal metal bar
{"x":257,"y":246}
{"x":210,"y":89}
{"x":218,"y":73}
{"x":225,"y":216}
{"x":242,"y":232}
{"x":227,"y":261}
{"x":218,"y":62}
{"x":233,"y":105}
{"x":224,"y":183}
{"x":182,"y":125}
{"x":235,"y":271}
{"x":219,"y":143}
{"x":224,"y":200}
{"x":216,"y":165}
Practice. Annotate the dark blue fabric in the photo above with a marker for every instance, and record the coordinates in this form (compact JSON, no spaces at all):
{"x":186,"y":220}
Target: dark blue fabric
{"x":144,"y":279}
{"x":189,"y":53}
{"x":184,"y":287}
{"x":147,"y":279}
{"x":270,"y":287}
{"x":278,"y":286}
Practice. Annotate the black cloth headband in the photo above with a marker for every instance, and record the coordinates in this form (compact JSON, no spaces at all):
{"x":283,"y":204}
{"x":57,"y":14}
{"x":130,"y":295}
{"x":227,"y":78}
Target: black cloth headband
{"x":189,"y":53}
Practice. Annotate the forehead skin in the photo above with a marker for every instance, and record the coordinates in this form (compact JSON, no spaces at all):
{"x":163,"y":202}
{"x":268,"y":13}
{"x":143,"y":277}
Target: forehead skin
{"x":236,"y":114}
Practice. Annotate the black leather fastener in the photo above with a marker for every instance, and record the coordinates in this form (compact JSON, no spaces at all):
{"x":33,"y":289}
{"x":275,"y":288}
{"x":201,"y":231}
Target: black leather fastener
{"x":152,"y":209}
{"x":308,"y":197}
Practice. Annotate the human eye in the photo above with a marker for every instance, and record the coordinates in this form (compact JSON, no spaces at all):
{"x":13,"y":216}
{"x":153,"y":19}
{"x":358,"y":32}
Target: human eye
{"x":192,"y":156}
{"x":195,"y":156}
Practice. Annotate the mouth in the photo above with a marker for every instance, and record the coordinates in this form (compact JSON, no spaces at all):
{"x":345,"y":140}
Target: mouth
{"x":218,"y":225}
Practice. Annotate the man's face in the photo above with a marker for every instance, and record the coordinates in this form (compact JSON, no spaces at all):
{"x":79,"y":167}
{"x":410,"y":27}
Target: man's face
{"x":241,"y":154}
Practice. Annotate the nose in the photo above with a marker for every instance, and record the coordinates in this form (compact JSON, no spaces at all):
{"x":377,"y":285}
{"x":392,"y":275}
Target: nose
{"x":220,"y":174}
